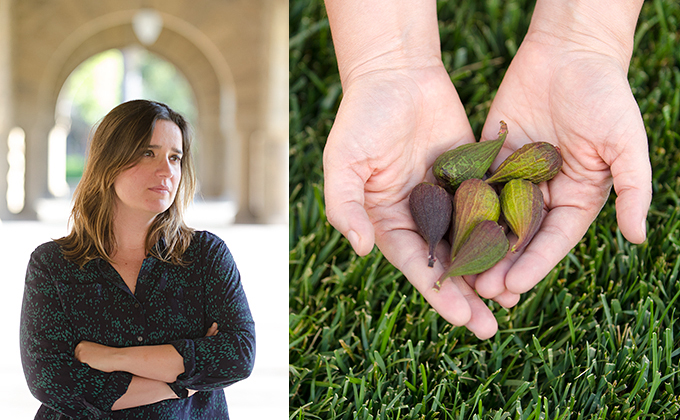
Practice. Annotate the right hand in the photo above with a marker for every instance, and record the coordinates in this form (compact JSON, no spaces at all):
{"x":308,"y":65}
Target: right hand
{"x":390,"y":128}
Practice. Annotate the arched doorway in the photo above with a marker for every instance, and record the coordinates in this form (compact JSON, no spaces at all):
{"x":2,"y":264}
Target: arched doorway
{"x":234,"y":58}
{"x":219,"y":153}
{"x":95,"y":87}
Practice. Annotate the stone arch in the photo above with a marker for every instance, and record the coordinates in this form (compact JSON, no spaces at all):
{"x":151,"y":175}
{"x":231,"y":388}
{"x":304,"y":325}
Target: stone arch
{"x":196,"y":57}
{"x":233,"y":53}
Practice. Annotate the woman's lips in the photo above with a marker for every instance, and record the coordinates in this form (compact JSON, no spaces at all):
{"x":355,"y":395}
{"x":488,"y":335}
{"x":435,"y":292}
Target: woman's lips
{"x":160,"y":189}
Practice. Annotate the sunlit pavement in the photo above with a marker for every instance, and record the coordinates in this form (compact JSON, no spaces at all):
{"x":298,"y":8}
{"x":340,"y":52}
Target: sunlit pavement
{"x":261,"y":253}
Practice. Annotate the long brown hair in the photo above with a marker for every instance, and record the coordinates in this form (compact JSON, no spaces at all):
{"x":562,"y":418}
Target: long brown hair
{"x":118,"y":143}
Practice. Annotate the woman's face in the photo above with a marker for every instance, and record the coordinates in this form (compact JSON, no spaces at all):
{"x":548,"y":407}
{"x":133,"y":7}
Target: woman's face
{"x":149,"y":187}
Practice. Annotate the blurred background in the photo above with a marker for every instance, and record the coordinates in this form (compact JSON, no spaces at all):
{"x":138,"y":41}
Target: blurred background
{"x":64,"y":64}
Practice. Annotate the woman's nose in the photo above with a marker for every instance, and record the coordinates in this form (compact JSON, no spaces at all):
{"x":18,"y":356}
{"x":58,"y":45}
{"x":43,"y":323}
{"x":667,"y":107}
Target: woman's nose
{"x":165,"y":168}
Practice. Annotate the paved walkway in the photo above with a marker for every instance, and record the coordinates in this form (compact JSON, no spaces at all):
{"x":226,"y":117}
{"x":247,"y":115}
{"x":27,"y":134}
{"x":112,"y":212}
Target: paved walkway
{"x":261,"y":253}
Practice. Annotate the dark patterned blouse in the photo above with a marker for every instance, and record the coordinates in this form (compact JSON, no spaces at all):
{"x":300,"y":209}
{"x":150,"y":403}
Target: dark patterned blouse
{"x":64,"y":305}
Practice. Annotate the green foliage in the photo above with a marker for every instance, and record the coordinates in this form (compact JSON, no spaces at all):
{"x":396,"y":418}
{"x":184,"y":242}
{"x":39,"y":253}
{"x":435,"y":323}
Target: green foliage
{"x":96,"y":86}
{"x":164,"y":83}
{"x":598,"y":338}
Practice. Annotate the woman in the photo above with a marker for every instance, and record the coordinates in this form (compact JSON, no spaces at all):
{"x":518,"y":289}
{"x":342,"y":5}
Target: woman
{"x":134,"y":315}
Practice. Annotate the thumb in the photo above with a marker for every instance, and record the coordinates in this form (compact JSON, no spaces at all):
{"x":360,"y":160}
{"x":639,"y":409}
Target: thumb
{"x":632,"y":176}
{"x":344,"y":197}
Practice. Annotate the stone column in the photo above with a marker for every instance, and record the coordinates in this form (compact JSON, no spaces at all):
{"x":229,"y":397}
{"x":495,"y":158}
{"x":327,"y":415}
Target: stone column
{"x":5,"y":100}
{"x":37,"y":125}
{"x":277,"y":210}
{"x":269,"y":146}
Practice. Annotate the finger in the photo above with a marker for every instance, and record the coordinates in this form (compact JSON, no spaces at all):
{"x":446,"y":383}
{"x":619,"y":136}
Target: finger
{"x":455,"y":301}
{"x":344,"y":196}
{"x":482,"y":323}
{"x":507,"y":299}
{"x":212,"y":330}
{"x":632,"y":175}
{"x":491,"y":283}
{"x":408,"y":252}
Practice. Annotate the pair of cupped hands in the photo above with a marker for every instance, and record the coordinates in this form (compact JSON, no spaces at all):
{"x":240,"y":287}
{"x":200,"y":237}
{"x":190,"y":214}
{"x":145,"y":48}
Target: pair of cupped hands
{"x":393,"y":123}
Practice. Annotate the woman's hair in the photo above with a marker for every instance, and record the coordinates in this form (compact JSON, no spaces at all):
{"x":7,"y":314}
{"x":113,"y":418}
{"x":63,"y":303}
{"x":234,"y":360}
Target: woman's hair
{"x":120,"y":140}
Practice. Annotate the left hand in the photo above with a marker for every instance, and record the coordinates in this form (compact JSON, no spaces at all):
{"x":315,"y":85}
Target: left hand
{"x":578,"y":98}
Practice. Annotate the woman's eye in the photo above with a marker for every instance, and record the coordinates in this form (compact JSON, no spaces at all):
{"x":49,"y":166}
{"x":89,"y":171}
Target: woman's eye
{"x":149,"y":153}
{"x":176,"y":158}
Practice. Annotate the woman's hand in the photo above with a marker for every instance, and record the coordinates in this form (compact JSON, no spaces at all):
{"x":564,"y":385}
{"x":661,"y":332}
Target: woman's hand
{"x":568,"y":85}
{"x":390,"y":128}
{"x":97,"y":356}
{"x":398,"y":113}
{"x":213,"y":330}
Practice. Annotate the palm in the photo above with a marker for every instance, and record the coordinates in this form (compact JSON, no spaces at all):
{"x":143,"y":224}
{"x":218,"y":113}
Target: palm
{"x":582,"y":103}
{"x":388,"y":131}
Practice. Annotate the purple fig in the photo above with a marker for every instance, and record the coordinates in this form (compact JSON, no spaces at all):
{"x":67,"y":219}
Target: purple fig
{"x":431,"y":209}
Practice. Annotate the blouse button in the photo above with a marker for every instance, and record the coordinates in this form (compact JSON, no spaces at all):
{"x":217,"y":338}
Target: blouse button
{"x":137,"y":305}
{"x":140,"y":338}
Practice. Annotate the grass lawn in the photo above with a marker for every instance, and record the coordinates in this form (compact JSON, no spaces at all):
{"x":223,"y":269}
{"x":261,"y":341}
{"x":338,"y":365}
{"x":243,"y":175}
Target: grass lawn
{"x":599,"y":337}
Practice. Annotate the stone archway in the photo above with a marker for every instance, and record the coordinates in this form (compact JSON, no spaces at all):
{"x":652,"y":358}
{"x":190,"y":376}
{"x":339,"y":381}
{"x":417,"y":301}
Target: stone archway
{"x":233,"y":54}
{"x":218,"y":161}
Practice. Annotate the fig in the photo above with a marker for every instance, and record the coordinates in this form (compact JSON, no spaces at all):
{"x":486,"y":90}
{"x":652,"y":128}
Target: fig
{"x":535,"y":162}
{"x":471,"y":160}
{"x":522,"y":206}
{"x":486,"y":245}
{"x":431,"y":209}
{"x":474,"y":201}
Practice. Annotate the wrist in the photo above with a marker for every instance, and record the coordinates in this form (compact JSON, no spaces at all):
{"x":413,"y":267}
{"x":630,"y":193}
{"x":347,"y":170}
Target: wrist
{"x":382,"y":35}
{"x":601,"y":26}
{"x":116,"y":357}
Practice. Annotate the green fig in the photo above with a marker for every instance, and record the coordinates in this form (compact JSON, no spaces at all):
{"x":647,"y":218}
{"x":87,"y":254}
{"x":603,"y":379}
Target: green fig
{"x":474,"y":201}
{"x":535,"y":162}
{"x":522,"y":207}
{"x":486,"y":245}
{"x":471,"y":160}
{"x":431,"y":209}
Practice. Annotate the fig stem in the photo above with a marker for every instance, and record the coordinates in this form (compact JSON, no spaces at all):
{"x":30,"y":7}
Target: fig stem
{"x":504,"y":129}
{"x":438,"y":284}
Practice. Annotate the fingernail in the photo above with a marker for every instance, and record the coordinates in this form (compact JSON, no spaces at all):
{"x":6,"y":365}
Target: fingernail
{"x":353,"y":239}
